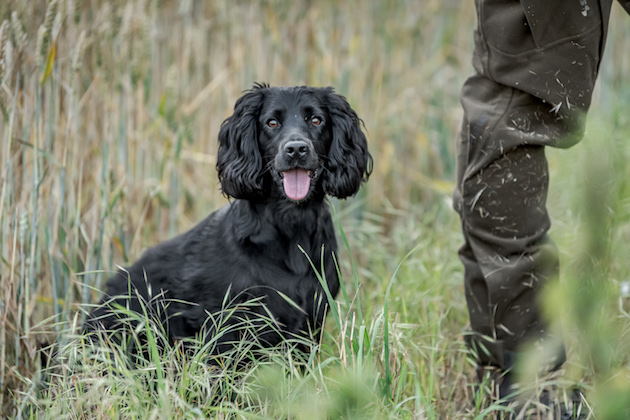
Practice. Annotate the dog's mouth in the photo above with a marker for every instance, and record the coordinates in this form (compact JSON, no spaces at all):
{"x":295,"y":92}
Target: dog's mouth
{"x":297,"y":182}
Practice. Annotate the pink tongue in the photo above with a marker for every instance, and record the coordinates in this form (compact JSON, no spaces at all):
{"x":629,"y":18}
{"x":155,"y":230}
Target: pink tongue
{"x":296,"y":183}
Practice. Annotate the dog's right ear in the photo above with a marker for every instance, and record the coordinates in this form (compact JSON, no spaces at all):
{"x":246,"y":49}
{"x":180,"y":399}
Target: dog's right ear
{"x":239,"y":161}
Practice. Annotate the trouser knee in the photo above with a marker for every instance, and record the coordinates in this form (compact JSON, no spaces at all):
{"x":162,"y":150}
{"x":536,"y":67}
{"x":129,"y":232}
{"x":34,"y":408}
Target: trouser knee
{"x":504,"y":204}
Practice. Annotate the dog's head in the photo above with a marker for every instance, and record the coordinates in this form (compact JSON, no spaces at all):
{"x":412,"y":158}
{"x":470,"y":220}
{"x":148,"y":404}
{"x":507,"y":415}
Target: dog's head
{"x":299,"y":142}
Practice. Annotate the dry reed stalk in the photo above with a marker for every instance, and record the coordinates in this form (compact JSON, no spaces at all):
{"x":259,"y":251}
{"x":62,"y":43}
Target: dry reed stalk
{"x":4,"y":59}
{"x":77,"y":56}
{"x":70,"y":9}
{"x":44,"y":34}
{"x":40,"y":48}
{"x":20,"y":36}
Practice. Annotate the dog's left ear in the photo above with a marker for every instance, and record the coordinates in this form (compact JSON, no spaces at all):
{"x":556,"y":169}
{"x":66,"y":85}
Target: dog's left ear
{"x":239,"y":162}
{"x":349,"y":163}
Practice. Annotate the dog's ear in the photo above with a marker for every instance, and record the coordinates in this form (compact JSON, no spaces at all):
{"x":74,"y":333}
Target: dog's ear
{"x":349,"y":163}
{"x":239,"y":161}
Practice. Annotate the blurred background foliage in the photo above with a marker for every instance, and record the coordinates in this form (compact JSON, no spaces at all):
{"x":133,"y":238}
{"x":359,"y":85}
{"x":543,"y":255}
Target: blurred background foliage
{"x":110,"y":113}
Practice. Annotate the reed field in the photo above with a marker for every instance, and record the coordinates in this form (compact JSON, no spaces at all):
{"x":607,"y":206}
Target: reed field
{"x":109,"y":114}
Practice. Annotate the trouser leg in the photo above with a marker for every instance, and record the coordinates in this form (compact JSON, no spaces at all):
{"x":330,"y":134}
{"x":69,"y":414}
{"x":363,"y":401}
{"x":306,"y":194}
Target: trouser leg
{"x":536,"y":64}
{"x":501,"y":198}
{"x":507,"y":254}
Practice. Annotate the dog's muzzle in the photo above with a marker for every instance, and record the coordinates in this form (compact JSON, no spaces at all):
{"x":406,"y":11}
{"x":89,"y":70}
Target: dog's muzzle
{"x":301,"y":163}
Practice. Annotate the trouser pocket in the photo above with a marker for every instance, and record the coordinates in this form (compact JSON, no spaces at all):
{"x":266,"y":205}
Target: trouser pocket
{"x":549,"y":49}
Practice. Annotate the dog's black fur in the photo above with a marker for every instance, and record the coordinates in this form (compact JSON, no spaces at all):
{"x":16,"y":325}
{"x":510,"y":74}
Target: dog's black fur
{"x":250,"y":248}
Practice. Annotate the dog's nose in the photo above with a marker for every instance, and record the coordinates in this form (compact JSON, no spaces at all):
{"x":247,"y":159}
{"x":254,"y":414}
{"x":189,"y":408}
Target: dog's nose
{"x":296,"y":149}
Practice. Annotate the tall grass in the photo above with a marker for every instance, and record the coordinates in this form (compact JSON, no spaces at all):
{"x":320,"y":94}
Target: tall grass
{"x":110,"y":112}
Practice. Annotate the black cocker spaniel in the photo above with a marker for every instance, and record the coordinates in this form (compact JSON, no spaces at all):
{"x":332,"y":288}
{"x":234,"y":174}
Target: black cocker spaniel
{"x":281,"y":152}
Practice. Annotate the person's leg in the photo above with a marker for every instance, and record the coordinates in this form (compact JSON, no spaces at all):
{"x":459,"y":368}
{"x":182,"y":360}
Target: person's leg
{"x":507,"y":254}
{"x":505,"y":224}
{"x":536,"y":63}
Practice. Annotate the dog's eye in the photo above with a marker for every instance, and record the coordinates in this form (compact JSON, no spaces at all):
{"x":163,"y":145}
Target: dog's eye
{"x":272,"y":123}
{"x":316,"y":120}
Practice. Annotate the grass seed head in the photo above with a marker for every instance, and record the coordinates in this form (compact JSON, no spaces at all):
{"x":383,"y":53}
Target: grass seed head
{"x":21,"y":39}
{"x":4,"y":61}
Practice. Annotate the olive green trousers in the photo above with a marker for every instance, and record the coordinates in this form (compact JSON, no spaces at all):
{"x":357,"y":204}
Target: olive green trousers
{"x":536,"y":63}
